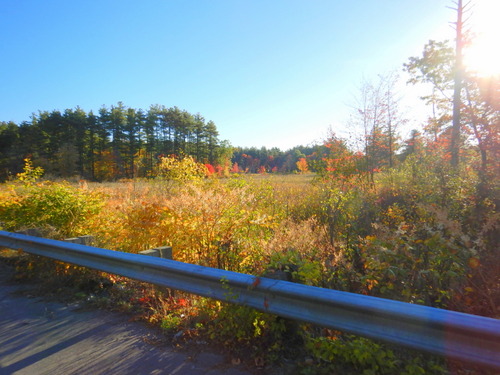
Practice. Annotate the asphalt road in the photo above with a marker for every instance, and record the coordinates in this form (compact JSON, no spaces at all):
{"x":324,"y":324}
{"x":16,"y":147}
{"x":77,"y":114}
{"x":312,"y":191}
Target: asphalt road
{"x":40,"y":337}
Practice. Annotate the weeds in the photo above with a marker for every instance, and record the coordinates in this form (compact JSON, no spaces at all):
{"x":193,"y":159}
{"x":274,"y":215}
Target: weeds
{"x":416,"y":234}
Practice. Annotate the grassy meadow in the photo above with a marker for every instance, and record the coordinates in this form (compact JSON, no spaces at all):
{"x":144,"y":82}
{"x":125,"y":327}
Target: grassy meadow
{"x":410,"y":234}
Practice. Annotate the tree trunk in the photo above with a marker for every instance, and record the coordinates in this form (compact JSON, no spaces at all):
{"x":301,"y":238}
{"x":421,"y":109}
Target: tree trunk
{"x":455,"y":132}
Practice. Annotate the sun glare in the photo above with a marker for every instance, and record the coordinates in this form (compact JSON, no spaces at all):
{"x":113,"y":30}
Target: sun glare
{"x":483,"y":55}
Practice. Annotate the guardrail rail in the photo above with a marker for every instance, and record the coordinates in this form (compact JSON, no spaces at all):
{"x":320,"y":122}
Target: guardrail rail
{"x":455,"y":335}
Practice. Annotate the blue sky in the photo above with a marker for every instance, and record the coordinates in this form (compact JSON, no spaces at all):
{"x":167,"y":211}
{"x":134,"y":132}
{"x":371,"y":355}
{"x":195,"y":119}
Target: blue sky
{"x":271,"y":73}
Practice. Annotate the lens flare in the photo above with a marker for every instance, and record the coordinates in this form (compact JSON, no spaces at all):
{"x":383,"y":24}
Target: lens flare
{"x":482,"y":55}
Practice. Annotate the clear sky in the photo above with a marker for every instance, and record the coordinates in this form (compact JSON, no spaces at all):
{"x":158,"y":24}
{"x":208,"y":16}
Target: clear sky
{"x":274,"y":73}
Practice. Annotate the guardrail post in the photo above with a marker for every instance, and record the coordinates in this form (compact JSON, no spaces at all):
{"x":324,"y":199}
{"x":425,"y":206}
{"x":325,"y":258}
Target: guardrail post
{"x":87,"y":240}
{"x":164,"y":252}
{"x":81,"y":240}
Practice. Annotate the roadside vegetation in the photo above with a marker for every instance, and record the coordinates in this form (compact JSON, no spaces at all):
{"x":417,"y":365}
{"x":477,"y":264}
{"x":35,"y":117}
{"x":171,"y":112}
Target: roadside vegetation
{"x":414,"y":220}
{"x":416,"y":233}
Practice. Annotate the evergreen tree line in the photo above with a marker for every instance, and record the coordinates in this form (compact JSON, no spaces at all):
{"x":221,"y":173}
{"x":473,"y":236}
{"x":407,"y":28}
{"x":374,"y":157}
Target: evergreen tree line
{"x":117,"y":142}
{"x":121,"y":142}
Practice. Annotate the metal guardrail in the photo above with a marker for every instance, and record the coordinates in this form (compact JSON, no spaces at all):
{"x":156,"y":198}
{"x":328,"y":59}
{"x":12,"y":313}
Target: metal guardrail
{"x":451,"y":334}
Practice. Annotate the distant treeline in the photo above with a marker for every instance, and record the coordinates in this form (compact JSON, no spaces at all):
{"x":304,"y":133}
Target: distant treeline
{"x":122,"y":142}
{"x":117,"y":142}
{"x":274,"y":160}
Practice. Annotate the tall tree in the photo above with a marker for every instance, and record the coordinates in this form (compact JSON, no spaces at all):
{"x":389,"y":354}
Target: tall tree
{"x":479,"y":117}
{"x":91,"y":140}
{"x":117,"y":122}
{"x":150,"y":139}
{"x":212,"y":141}
{"x":457,"y":86}
{"x":76,"y":123}
{"x":101,"y":166}
{"x":443,"y":67}
{"x":199,"y":140}
{"x":435,"y":67}
{"x":9,"y":137}
{"x":132,"y":130}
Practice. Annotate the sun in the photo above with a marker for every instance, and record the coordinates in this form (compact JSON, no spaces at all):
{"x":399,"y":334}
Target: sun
{"x":482,"y":56}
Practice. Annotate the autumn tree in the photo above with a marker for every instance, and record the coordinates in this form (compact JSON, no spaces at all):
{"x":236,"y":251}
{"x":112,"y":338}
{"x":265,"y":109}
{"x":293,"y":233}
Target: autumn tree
{"x":454,"y":90}
{"x":302,"y":165}
{"x":479,"y":120}
{"x":435,"y":67}
{"x":377,"y":115}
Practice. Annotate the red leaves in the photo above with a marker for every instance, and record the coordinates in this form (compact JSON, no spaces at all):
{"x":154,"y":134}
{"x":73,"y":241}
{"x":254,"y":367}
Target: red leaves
{"x":210,"y":169}
{"x":182,"y":302}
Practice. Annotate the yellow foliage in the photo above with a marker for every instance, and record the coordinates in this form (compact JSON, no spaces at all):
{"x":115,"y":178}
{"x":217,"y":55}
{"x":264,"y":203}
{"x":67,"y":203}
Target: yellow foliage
{"x":181,"y":169}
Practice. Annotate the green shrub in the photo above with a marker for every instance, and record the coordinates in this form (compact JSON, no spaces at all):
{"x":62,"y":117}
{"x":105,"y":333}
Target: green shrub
{"x":348,"y":354}
{"x":59,"y":206}
{"x":245,"y":331}
{"x":425,"y":261}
